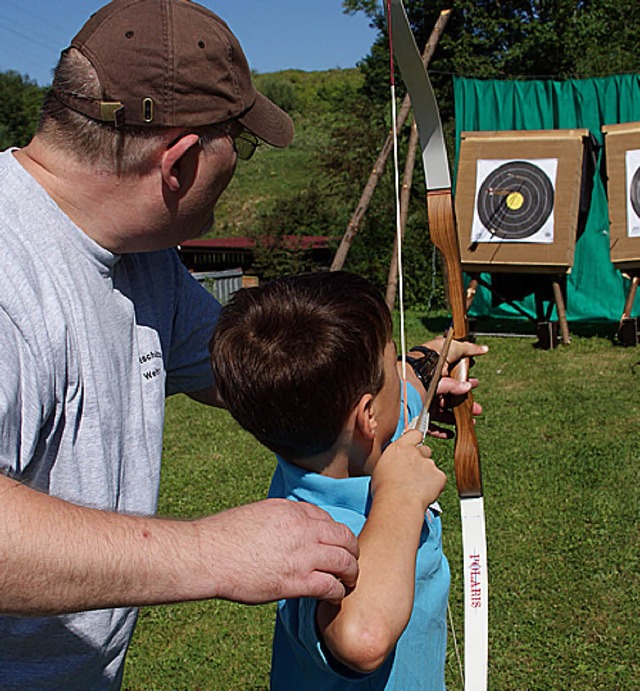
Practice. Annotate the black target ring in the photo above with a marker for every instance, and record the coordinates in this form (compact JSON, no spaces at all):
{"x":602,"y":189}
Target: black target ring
{"x":515,"y":200}
{"x":634,"y":192}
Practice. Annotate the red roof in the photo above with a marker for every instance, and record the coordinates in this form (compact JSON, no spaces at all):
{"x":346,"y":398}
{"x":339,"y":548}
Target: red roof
{"x":245,"y":243}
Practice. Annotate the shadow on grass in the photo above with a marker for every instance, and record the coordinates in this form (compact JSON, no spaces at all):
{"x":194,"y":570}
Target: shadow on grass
{"x":523,"y":328}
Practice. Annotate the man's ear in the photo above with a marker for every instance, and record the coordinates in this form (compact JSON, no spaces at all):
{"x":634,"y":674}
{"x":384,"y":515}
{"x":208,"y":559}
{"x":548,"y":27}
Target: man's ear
{"x":177,"y":168}
{"x":366,"y":422}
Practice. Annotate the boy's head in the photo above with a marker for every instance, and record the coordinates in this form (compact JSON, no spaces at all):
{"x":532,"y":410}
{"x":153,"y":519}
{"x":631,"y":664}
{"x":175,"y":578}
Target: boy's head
{"x":292,"y":358}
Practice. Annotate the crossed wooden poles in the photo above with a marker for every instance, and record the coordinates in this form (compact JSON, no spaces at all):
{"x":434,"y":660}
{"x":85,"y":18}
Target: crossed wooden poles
{"x":405,"y":191}
{"x":376,"y":173}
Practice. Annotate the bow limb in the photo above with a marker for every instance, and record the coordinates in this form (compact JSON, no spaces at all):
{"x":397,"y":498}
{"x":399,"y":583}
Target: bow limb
{"x":443,"y":233}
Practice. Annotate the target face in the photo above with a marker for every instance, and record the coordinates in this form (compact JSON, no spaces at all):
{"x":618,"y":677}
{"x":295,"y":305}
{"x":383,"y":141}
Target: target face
{"x":633,"y":196}
{"x":514,"y":201}
{"x":634,"y":192}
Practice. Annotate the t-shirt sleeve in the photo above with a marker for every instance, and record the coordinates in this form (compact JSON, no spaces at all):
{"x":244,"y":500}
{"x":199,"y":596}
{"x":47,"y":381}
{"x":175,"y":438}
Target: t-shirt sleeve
{"x":297,"y":618}
{"x":189,"y":366}
{"x":21,"y":409}
{"x":414,"y":406}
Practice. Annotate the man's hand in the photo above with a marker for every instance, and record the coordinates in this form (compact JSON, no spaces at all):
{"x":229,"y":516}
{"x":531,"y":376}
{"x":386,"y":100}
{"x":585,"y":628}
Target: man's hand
{"x":277,"y":549}
{"x":59,"y":557}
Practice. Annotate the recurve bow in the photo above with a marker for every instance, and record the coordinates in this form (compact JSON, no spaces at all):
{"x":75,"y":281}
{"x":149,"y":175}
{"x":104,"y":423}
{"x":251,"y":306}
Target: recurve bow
{"x":442,"y":229}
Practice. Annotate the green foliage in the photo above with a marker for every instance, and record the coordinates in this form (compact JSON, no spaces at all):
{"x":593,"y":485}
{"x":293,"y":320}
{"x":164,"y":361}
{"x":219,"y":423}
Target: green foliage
{"x":281,"y":90}
{"x":502,"y":40}
{"x":342,"y":118}
{"x":560,"y":38}
{"x":20,"y":101}
{"x":559,"y":451}
{"x":278,"y":234}
{"x":312,"y":89}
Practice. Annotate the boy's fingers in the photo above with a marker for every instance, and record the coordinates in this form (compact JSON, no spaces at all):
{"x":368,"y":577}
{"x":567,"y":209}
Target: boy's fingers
{"x":460,"y":349}
{"x":411,"y":437}
{"x":425,"y":451}
{"x":415,"y":438}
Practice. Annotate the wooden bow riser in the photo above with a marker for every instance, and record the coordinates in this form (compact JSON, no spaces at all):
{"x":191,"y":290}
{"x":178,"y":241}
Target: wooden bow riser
{"x":442,"y":229}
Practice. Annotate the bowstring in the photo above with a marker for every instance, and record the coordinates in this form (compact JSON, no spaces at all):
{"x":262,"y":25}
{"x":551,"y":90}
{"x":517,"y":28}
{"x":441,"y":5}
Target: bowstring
{"x":396,"y":183}
{"x":403,"y":349}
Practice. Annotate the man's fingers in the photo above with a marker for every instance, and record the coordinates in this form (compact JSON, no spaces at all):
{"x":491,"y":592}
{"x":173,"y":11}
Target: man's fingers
{"x":323,"y":586}
{"x":460,"y":349}
{"x":338,"y":535}
{"x":337,"y":554}
{"x":440,"y":432}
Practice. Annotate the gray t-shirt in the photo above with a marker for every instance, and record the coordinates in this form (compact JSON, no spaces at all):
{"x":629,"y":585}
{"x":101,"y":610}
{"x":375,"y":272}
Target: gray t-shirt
{"x":90,"y":345}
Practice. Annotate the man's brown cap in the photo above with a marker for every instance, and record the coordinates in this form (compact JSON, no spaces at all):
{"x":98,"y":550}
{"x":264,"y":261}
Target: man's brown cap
{"x":171,"y":63}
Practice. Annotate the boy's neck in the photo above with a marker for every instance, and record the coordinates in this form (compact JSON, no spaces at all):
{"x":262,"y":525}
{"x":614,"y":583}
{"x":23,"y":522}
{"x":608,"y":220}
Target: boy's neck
{"x":346,"y":458}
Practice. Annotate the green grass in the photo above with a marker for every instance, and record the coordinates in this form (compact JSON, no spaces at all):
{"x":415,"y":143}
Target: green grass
{"x":559,"y":454}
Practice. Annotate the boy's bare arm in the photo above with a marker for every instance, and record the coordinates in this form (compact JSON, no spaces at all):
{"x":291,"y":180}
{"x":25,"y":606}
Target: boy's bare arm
{"x":361,"y":631}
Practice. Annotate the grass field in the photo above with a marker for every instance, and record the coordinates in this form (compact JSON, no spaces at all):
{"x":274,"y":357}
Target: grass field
{"x":559,"y":454}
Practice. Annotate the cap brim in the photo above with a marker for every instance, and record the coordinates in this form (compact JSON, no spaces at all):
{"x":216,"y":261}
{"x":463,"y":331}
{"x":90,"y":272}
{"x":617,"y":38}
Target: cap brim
{"x":268,"y":122}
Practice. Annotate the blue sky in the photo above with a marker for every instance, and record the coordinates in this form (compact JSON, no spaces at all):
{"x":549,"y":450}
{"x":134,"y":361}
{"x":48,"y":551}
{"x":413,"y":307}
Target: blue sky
{"x":275,"y":34}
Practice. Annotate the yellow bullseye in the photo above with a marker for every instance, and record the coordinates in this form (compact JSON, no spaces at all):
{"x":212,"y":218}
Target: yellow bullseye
{"x":515,"y":201}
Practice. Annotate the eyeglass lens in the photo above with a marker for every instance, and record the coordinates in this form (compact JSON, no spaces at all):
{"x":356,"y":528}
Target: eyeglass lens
{"x":245,"y":145}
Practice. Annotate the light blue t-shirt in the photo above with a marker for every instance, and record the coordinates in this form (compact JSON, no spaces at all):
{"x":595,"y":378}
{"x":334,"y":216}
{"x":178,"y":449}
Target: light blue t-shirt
{"x":299,"y":658}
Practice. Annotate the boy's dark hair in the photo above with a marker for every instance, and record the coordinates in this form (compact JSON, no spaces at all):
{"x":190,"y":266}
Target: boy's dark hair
{"x":291,"y":358}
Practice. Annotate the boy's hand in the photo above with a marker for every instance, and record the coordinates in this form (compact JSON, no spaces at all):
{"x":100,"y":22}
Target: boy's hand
{"x":407,"y":469}
{"x":447,"y":387}
{"x":457,"y":350}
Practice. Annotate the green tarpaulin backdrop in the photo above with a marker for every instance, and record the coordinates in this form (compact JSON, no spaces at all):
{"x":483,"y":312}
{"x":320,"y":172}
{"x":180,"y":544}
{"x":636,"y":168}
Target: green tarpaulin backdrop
{"x":595,"y":289}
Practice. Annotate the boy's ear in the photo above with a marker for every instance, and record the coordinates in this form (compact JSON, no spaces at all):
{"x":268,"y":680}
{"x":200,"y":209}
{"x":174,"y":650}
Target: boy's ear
{"x":366,"y":422}
{"x":178,"y":169}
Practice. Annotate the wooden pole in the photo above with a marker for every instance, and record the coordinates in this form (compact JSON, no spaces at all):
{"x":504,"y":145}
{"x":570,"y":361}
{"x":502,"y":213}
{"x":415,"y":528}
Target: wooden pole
{"x":562,"y":313}
{"x":631,"y":296}
{"x":405,"y":193}
{"x":378,"y":166}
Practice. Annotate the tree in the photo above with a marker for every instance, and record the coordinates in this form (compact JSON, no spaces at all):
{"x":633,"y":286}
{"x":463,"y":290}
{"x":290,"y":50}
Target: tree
{"x":559,"y":39}
{"x":20,"y":101}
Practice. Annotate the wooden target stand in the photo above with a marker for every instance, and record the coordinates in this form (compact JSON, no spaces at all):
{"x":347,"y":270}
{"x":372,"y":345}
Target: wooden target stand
{"x":622,"y":147}
{"x":518,"y":202}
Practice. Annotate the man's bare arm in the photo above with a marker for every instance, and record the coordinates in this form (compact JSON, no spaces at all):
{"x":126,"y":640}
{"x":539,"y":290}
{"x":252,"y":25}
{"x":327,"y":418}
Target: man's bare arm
{"x":58,"y":557}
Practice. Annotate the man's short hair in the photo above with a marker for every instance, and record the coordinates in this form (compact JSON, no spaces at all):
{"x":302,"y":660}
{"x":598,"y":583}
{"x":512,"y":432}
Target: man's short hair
{"x":293,"y":357}
{"x":125,"y":150}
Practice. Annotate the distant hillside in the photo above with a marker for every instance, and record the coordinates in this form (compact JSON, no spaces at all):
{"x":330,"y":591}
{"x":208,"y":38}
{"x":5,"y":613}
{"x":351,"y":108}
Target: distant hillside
{"x":313,"y":100}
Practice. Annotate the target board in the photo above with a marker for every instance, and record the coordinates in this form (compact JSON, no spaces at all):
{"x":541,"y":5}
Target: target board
{"x":622,"y":147}
{"x":517,"y":199}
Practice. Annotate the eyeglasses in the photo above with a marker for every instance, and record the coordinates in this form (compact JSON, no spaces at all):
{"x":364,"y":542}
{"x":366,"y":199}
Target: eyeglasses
{"x":245,"y":144}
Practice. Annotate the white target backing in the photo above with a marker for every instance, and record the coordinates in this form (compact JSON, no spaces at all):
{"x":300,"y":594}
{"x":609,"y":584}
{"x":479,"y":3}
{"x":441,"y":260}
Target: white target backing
{"x":514,"y":201}
{"x":622,"y":148}
{"x":632,"y":161}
